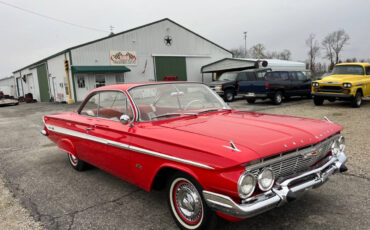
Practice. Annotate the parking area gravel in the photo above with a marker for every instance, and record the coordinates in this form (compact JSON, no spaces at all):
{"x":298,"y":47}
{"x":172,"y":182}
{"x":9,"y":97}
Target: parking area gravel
{"x":38,"y":188}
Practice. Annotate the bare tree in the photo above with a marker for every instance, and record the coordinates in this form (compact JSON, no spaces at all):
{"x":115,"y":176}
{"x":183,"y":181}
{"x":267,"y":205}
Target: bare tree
{"x":238,"y":52}
{"x":327,"y":43}
{"x":313,"y":50}
{"x":340,"y":38}
{"x":285,"y":54}
{"x":257,"y":51}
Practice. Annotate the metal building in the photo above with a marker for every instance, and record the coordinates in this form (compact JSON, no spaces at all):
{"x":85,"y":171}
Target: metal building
{"x":146,"y":53}
{"x":8,"y":86}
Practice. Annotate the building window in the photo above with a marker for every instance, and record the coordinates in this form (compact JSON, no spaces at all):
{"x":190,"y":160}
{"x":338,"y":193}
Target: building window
{"x":99,"y":81}
{"x":120,"y":78}
{"x":81,"y":82}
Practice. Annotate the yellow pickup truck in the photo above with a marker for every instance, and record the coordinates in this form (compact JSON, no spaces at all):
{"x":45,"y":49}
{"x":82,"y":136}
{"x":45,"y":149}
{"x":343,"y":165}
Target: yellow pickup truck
{"x":347,"y":81}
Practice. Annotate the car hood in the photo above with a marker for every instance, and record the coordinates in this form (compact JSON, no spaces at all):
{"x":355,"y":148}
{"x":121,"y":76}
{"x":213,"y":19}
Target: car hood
{"x":256,"y":135}
{"x":339,"y":78}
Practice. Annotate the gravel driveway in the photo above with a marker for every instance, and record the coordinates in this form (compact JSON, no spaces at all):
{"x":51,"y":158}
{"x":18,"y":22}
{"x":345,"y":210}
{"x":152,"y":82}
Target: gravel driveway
{"x":45,"y":191}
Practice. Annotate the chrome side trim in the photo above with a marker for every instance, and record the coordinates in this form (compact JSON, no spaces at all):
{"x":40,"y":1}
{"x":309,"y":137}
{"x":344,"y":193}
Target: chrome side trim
{"x":85,"y":136}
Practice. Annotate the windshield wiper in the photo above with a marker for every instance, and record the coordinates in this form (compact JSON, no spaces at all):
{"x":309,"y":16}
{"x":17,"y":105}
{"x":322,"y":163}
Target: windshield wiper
{"x":168,"y":115}
{"x":175,"y":114}
{"x":212,"y":110}
{"x":208,"y":110}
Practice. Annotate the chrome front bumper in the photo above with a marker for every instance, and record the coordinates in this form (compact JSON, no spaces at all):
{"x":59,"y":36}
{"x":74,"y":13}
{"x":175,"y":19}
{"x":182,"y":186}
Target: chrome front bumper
{"x":280,"y":194}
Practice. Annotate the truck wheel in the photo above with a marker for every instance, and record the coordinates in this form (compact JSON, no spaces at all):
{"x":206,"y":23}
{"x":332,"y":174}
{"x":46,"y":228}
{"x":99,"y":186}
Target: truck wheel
{"x":76,"y":163}
{"x":357,"y":100}
{"x":318,"y":100}
{"x":186,"y":203}
{"x":229,"y":95}
{"x":251,"y":100}
{"x":278,"y":98}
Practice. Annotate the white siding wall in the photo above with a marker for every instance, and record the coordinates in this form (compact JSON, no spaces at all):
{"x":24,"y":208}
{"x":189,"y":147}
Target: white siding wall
{"x":31,"y":85}
{"x":8,"y":86}
{"x":58,"y":77}
{"x":149,"y":41}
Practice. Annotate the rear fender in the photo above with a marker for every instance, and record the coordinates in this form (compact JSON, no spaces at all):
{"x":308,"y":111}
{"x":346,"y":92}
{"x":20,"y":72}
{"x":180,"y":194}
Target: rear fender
{"x":66,"y":145}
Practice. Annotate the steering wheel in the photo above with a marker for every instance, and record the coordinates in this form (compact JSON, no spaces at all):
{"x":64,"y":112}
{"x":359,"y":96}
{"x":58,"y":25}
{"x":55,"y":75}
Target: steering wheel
{"x":191,"y":102}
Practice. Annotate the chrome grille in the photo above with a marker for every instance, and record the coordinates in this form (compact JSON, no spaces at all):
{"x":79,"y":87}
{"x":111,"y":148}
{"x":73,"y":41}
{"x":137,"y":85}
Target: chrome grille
{"x":290,"y":163}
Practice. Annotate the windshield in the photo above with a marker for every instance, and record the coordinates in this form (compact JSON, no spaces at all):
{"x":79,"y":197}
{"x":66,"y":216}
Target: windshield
{"x":348,"y":69}
{"x":228,"y":76}
{"x":165,"y":101}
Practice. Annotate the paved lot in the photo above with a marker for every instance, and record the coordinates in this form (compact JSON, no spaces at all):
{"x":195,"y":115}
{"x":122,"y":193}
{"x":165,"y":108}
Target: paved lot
{"x":40,"y":177}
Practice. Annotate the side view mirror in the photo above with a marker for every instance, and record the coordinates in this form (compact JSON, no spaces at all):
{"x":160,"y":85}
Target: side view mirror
{"x":124,"y":119}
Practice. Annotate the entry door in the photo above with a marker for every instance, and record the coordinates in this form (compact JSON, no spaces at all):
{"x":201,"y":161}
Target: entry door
{"x":29,"y":79}
{"x":170,"y":66}
{"x":20,"y":87}
{"x":82,"y":86}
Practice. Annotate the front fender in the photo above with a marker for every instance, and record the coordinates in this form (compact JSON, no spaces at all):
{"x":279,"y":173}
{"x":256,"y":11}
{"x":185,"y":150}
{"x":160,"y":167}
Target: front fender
{"x":176,"y":167}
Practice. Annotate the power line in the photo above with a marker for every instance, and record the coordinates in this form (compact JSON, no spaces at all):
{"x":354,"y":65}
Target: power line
{"x":52,"y":18}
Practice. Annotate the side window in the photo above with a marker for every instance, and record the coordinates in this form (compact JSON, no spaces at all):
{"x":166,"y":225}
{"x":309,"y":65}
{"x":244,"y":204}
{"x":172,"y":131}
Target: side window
{"x":368,"y":70}
{"x":301,"y":76}
{"x":260,"y":75}
{"x":113,"y":105}
{"x":284,"y":75}
{"x":242,"y":76}
{"x":274,"y":76}
{"x":250,"y":76}
{"x":91,"y":107}
{"x":292,"y":76}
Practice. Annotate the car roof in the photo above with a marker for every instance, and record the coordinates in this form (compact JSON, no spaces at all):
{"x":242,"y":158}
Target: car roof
{"x":125,"y":87}
{"x":255,"y":70}
{"x":354,"y":63}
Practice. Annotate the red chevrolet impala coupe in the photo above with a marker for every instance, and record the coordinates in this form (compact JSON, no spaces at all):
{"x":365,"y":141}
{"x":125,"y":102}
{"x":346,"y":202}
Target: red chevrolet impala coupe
{"x":212,"y":159}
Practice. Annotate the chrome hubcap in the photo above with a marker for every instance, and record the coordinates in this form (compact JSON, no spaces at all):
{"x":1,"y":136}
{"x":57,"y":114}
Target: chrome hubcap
{"x":358,"y":100}
{"x":73,"y":159}
{"x":278,"y":98}
{"x":188,"y":202}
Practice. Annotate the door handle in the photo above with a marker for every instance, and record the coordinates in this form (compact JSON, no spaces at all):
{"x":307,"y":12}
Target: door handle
{"x":89,"y":128}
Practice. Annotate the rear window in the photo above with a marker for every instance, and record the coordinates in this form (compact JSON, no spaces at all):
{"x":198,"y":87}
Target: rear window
{"x":301,"y":76}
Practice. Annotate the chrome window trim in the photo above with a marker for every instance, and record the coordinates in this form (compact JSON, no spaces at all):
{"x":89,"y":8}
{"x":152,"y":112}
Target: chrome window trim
{"x":85,"y":136}
{"x":108,"y":90}
{"x":225,"y":107}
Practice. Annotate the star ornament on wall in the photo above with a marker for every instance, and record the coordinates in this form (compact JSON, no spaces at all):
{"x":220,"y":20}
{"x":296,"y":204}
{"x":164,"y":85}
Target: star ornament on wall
{"x":168,"y":40}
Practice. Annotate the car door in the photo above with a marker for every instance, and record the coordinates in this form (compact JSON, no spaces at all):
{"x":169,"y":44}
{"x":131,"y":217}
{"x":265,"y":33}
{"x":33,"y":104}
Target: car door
{"x":109,"y":151}
{"x":294,"y":84}
{"x":367,"y":80}
{"x":304,"y":84}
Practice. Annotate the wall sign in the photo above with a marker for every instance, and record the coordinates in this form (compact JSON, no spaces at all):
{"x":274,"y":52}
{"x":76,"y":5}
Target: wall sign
{"x":119,"y":57}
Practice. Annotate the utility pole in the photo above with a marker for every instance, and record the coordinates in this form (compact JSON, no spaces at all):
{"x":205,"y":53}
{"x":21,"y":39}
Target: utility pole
{"x":245,"y":44}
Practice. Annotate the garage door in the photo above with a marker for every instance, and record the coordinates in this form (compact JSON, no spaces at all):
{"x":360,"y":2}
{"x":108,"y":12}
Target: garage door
{"x":43,"y":83}
{"x":170,"y":66}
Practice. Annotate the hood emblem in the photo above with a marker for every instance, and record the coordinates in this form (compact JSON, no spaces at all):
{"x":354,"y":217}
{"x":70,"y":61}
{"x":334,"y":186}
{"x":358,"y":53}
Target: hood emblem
{"x":327,"y":119}
{"x":232,"y":147}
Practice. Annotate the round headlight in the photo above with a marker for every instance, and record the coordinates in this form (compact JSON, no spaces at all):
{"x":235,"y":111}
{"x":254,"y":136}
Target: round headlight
{"x":266,"y":179}
{"x":315,"y":84}
{"x":246,"y":185}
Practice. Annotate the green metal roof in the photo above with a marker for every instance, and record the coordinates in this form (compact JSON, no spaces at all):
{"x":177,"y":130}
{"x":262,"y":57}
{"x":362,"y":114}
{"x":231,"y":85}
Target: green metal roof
{"x":100,"y":69}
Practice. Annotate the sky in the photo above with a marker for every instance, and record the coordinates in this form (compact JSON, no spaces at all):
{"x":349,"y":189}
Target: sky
{"x":278,"y":24}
